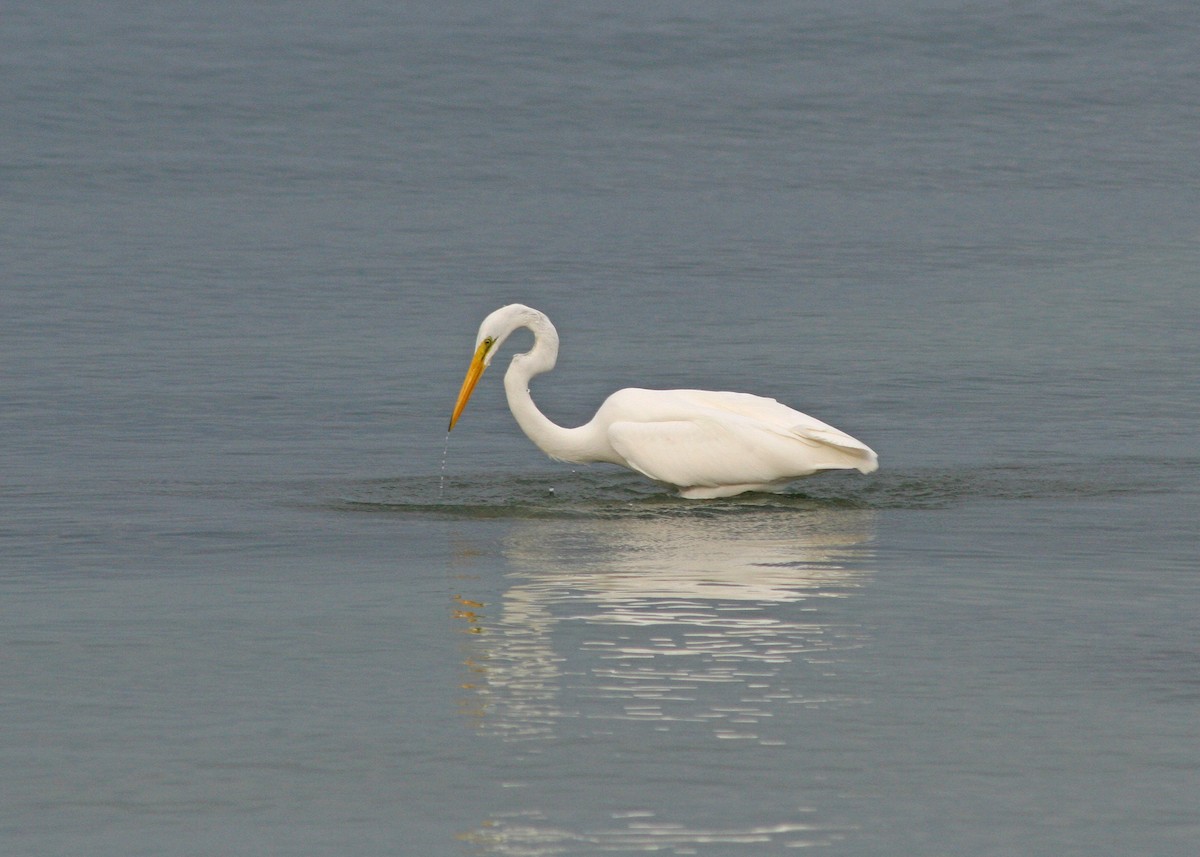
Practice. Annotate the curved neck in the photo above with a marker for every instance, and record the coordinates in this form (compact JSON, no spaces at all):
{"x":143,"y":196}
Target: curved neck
{"x":565,"y":444}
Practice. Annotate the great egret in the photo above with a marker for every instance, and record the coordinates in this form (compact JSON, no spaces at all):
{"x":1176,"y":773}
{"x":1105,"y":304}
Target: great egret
{"x":706,"y":444}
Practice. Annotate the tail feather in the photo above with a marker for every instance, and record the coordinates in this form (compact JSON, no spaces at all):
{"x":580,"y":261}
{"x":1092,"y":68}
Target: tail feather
{"x":867,"y":460}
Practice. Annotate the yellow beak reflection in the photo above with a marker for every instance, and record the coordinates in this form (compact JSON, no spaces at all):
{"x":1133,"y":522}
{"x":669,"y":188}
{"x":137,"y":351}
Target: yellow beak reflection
{"x":474,"y":371}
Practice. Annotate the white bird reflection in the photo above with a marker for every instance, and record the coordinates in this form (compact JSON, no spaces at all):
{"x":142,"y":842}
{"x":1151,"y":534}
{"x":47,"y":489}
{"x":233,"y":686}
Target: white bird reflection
{"x":705,"y":641}
{"x":664,"y":618}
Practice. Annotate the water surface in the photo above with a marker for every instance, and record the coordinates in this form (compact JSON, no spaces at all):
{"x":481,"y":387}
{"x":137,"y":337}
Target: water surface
{"x":246,"y":610}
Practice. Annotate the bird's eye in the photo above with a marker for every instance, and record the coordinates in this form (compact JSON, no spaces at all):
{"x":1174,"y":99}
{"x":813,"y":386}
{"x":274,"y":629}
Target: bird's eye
{"x":489,"y":342}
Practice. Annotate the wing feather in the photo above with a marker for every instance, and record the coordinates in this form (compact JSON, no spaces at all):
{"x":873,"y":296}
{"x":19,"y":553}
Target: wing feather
{"x":702,"y":438}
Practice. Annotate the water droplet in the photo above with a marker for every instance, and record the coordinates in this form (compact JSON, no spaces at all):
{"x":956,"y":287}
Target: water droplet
{"x":442,"y":481}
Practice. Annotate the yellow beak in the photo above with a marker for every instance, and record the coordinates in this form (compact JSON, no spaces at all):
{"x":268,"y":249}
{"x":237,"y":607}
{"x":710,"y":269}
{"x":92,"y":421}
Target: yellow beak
{"x":474,"y":371}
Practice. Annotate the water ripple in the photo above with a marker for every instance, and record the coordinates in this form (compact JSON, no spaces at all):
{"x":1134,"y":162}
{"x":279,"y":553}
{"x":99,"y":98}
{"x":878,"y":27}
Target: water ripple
{"x":529,"y":833}
{"x":605,"y":493}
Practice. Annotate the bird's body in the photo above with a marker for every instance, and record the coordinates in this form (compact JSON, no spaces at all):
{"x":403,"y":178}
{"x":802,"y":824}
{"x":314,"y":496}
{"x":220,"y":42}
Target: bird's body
{"x":706,"y":444}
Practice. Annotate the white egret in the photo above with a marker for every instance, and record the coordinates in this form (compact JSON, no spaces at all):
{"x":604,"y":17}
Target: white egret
{"x":706,"y":444}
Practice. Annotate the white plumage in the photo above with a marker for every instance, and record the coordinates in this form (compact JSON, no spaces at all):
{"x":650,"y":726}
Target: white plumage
{"x":706,"y":444}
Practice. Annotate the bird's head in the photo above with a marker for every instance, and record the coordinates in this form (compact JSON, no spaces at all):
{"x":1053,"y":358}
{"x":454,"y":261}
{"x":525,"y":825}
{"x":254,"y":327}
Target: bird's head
{"x":492,"y":332}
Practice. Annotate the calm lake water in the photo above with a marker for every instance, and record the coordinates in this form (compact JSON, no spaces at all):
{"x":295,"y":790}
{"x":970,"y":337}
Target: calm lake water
{"x":252,"y":602}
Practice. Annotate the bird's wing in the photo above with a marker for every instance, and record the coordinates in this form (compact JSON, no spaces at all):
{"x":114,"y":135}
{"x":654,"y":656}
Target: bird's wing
{"x":772,"y":415}
{"x":691,"y":453}
{"x":708,"y":447}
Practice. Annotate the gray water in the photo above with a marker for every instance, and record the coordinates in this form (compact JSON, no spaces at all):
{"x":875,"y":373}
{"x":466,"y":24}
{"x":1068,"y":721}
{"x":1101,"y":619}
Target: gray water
{"x":245,"y":251}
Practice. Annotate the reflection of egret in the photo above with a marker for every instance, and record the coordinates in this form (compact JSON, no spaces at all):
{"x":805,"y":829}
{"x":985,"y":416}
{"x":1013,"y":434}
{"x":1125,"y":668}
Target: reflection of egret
{"x":667,"y":618}
{"x":707,"y":444}
{"x":689,"y":649}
